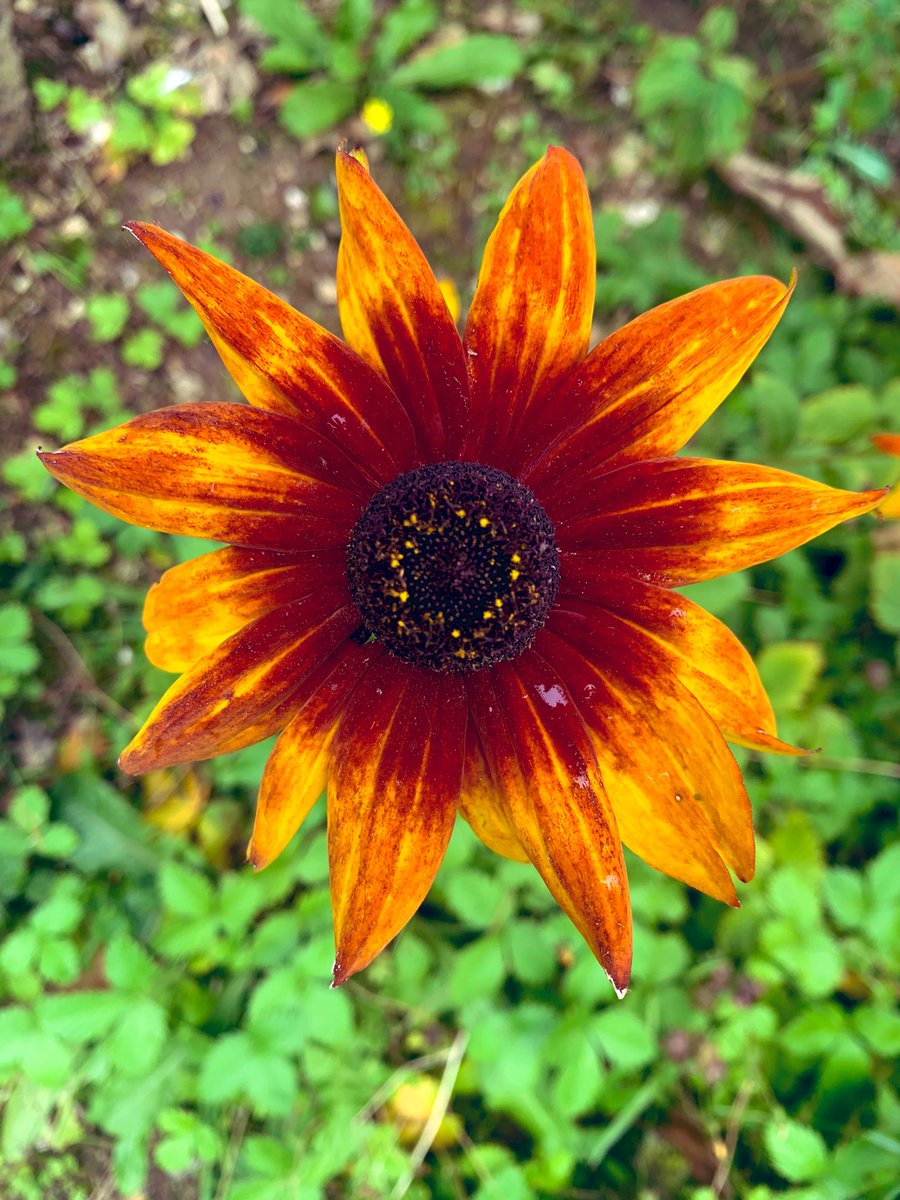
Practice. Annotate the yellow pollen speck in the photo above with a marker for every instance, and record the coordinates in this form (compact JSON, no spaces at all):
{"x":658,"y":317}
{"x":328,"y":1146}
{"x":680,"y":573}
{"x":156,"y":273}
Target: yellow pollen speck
{"x":483,"y":521}
{"x":413,"y":519}
{"x":403,"y":597}
{"x":460,"y":512}
{"x":409,"y":545}
{"x":514,"y":575}
{"x":455,"y":633}
{"x":517,"y":558}
{"x":487,"y":614}
{"x":498,"y":603}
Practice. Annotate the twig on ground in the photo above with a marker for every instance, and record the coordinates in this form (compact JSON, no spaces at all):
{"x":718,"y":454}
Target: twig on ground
{"x":437,"y":1114}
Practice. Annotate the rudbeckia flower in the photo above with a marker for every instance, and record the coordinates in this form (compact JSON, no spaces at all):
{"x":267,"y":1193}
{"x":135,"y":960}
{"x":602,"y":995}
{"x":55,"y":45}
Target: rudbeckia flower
{"x":890,"y":444}
{"x":448,"y":576}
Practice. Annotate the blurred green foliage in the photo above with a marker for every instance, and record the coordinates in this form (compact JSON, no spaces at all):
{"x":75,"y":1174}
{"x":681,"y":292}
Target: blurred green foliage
{"x":165,"y":1008}
{"x":359,"y":55}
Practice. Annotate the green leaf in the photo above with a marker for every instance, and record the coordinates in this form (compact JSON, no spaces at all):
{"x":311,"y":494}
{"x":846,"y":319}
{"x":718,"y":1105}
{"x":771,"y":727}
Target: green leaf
{"x":809,"y":958}
{"x":885,"y":593}
{"x":353,"y":20}
{"x":404,"y":25}
{"x":477,"y":970}
{"x":49,"y":93}
{"x":473,"y":896}
{"x":185,"y":892}
{"x":834,"y":417}
{"x":300,"y":43}
{"x":171,"y":138}
{"x":27,"y":476}
{"x":776,"y":406}
{"x":625,"y":1039}
{"x":531,"y":950}
{"x":720,"y":596}
{"x":796,"y":1152}
{"x":413,"y":112}
{"x":718,"y":28}
{"x":107,"y":314}
{"x":879,"y":1028}
{"x":578,"y":1082}
{"x":81,"y":1016}
{"x":30,"y":805}
{"x":26,"y":1119}
{"x":868,"y":163}
{"x":135,"y":1045}
{"x":46,"y":1060}
{"x":313,"y":107}
{"x":15,"y":221}
{"x":144,"y":349}
{"x":235,"y":1069}
{"x":845,"y":897}
{"x":59,"y":961}
{"x":809,"y":1036}
{"x":163,"y":303}
{"x":127,"y":964}
{"x":480,"y":60}
{"x":113,"y":837}
{"x":789,"y":672}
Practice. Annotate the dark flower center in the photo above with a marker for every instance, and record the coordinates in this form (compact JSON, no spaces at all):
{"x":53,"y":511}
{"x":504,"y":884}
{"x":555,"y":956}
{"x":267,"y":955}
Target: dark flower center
{"x":453,"y":566}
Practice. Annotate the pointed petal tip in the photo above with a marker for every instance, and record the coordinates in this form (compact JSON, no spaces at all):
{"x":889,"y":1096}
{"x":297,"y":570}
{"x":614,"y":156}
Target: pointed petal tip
{"x":347,"y":150}
{"x":257,"y":860}
{"x":621,"y":990}
{"x":342,"y":971}
{"x":129,"y":762}
{"x":139,"y":229}
{"x":744,"y":871}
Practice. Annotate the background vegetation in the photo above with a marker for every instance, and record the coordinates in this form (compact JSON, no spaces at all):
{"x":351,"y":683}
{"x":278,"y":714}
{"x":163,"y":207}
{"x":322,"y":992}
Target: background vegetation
{"x":167,"y":1029}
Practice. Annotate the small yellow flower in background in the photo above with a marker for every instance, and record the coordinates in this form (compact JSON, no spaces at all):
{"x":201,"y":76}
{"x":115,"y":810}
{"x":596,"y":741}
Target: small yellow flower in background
{"x":377,"y":115}
{"x":890,"y":444}
{"x":449,"y":576}
{"x":451,"y":297}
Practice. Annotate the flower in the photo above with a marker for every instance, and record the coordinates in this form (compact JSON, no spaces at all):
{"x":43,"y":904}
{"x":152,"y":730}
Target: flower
{"x":890,"y":444}
{"x":447,"y":583}
{"x":377,"y":115}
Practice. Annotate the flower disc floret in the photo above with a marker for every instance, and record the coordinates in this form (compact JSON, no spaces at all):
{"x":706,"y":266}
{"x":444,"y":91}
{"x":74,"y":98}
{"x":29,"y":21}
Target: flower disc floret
{"x":454,"y":566}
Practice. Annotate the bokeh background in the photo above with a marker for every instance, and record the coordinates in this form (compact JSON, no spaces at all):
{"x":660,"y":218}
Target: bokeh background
{"x":166,"y":1028}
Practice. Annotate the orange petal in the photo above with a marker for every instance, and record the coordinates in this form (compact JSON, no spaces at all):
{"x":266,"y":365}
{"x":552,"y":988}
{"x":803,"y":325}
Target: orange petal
{"x":646,"y":389}
{"x":673,"y":783}
{"x":673,"y":521}
{"x":220,"y":471}
{"x":702,"y":652}
{"x":888,"y":442}
{"x":240,"y":683}
{"x":297,"y":769}
{"x":392,"y":794}
{"x":284,"y":362}
{"x":394,"y":315}
{"x":198,"y":604}
{"x":540,"y":754}
{"x":530,"y":320}
{"x":481,"y":805}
